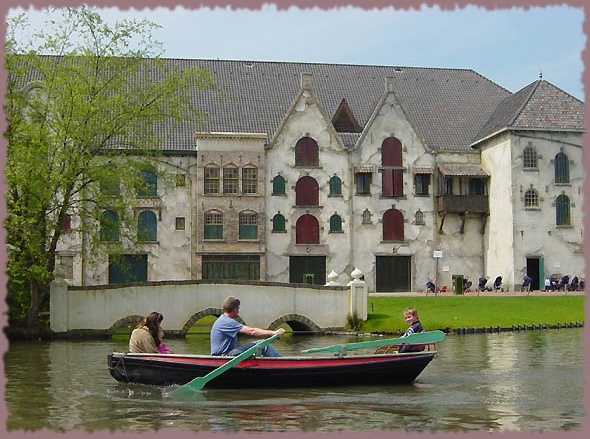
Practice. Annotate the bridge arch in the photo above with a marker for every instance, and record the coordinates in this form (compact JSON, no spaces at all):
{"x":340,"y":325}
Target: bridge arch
{"x":131,"y":320}
{"x":199,"y":315}
{"x":296,"y":322}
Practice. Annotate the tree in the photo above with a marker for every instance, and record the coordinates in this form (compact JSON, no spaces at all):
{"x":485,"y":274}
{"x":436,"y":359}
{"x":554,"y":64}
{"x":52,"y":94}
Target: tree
{"x":84,"y":102}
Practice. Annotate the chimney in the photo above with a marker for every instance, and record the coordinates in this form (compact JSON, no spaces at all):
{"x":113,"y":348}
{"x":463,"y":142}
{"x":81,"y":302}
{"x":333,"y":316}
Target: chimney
{"x":389,"y":84}
{"x":306,"y":82}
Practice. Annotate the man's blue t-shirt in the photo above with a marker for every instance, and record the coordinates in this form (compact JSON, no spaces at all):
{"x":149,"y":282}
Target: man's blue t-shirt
{"x":224,"y":335}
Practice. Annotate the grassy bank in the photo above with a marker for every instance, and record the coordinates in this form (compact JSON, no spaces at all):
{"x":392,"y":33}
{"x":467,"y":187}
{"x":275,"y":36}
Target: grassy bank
{"x":453,"y":312}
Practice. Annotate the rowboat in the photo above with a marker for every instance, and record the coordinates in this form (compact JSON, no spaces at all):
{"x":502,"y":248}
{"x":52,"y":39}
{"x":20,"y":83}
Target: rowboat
{"x":383,"y":366}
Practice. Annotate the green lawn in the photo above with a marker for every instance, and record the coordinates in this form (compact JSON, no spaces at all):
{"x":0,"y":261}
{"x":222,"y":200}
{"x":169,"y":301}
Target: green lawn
{"x":442,"y":312}
{"x":452,"y":312}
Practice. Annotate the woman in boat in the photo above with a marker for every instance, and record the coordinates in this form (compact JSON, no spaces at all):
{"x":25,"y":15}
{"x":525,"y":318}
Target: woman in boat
{"x":411,"y":318}
{"x":147,"y":336}
{"x":225,"y":330}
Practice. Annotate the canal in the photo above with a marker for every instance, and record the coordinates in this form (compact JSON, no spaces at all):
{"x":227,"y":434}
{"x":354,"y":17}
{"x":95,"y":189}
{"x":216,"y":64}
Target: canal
{"x":528,"y":381}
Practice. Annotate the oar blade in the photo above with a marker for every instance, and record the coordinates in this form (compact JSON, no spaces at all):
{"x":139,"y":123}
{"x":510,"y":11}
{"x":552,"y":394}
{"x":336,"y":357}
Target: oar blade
{"x":196,"y":385}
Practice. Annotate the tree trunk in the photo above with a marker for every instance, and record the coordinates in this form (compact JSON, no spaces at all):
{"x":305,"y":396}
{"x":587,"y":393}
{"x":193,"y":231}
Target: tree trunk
{"x":37,"y":296}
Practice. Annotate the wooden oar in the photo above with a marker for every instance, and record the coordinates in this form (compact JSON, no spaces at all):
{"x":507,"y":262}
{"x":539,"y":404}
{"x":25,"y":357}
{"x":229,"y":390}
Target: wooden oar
{"x":199,"y":382}
{"x":415,"y":338}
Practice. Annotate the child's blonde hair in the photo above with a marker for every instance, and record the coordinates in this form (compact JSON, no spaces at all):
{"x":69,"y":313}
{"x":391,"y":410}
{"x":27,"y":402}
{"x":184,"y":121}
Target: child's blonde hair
{"x":412,"y":310}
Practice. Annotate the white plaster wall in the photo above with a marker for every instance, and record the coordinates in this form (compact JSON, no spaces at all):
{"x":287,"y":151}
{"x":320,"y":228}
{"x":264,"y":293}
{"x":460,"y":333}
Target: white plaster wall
{"x":308,"y":120}
{"x":499,"y":257}
{"x":260,"y":304}
{"x":535,"y":230}
{"x":170,"y":257}
{"x":418,"y":243}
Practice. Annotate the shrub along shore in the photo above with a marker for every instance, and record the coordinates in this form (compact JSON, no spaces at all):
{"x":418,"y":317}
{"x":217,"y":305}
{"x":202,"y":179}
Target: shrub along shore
{"x":474,"y":313}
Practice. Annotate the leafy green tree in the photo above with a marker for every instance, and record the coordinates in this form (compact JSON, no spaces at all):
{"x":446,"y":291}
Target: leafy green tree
{"x":85,"y":104}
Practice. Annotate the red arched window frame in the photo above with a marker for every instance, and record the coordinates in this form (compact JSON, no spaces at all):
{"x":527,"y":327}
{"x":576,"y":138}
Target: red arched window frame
{"x":306,"y":152}
{"x":393,"y":225}
{"x":392,"y":180}
{"x":307,"y":192}
{"x":307,"y":230}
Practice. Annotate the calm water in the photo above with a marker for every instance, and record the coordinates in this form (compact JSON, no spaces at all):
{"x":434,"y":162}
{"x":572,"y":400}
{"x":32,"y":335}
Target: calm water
{"x":527,"y":381}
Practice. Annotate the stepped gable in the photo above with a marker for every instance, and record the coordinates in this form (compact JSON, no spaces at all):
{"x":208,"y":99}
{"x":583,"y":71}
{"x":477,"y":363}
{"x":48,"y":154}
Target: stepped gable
{"x":446,"y":107}
{"x":539,"y":105}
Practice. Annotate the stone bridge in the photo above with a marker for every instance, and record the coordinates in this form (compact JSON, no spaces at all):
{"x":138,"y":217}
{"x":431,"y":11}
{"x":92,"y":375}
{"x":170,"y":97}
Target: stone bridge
{"x":101,"y":310}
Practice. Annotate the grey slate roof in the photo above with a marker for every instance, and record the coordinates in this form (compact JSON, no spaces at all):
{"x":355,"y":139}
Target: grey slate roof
{"x":446,"y":107}
{"x":449,"y":109}
{"x":539,"y":105}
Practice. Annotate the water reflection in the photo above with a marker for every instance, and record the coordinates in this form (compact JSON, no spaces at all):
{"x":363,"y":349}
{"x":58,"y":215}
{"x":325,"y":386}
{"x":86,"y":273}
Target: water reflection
{"x":497,"y":382}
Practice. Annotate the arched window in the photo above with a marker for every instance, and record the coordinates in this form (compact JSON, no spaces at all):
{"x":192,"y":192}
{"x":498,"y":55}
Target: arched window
{"x":562,"y":168}
{"x":149,"y":184}
{"x":109,"y":226}
{"x":392,"y":181}
{"x":307,"y":230}
{"x":419,"y":217}
{"x":306,"y":152}
{"x":531,"y":198}
{"x":211,"y":179}
{"x":335,"y":187}
{"x":529,"y":157}
{"x":562,"y":211}
{"x":278,"y":185}
{"x":248,"y":225}
{"x":307,"y":192}
{"x":250,"y":180}
{"x":335,"y":224}
{"x":278,"y":223}
{"x":367,"y":217}
{"x":213,"y":224}
{"x":393,"y":225}
{"x":147,"y":226}
{"x":230,"y":180}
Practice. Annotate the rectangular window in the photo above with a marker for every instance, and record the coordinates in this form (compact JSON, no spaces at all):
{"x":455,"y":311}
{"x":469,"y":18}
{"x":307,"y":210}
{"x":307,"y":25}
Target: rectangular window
{"x":213,"y":225}
{"x":128,"y":268}
{"x":447,"y":186}
{"x":248,"y":225}
{"x":422,"y":182}
{"x":363,"y":183}
{"x":233,"y":267}
{"x":180,"y":223}
{"x":230,"y":180}
{"x":211,"y":180}
{"x":180,"y":180}
{"x":249,"y":181}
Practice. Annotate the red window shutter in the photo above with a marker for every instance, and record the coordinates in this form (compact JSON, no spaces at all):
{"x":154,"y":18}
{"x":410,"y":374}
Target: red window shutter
{"x":392,"y":179}
{"x":306,"y":152}
{"x":307,"y":230}
{"x":398,"y":183}
{"x":307,"y":192}
{"x":387,"y":182}
{"x":393,"y":225}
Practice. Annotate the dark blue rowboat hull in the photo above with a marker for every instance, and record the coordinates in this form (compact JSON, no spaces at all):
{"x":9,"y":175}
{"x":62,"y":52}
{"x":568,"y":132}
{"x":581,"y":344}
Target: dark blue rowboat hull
{"x":173,"y":369}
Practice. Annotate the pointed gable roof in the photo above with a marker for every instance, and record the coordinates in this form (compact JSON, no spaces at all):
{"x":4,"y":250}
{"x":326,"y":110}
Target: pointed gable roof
{"x":538,"y":106}
{"x":306,"y":91}
{"x":344,"y":121}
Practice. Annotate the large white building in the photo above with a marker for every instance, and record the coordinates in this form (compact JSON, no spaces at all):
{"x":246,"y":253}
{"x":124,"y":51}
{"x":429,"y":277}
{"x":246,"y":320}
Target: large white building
{"x":410,"y":174}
